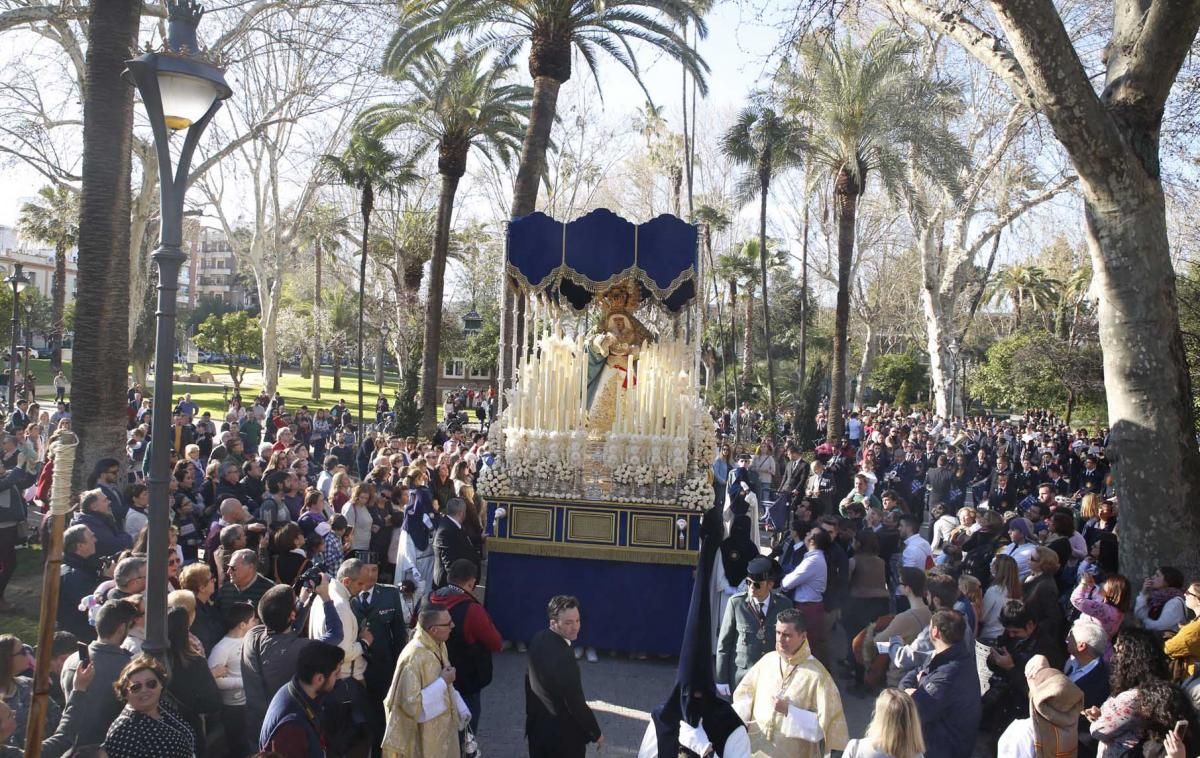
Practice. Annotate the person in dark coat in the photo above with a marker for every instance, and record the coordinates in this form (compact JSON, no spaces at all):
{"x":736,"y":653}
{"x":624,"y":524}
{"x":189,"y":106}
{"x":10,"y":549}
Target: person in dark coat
{"x":291,"y":725}
{"x":79,"y":577}
{"x":450,"y":542}
{"x":558,"y":721}
{"x":946,"y":690}
{"x":191,"y":684}
{"x":473,"y":640}
{"x":95,"y":514}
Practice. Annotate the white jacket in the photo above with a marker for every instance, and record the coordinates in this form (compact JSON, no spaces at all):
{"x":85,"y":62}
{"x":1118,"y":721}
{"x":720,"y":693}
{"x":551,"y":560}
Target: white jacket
{"x":228,"y":653}
{"x":354,"y":664}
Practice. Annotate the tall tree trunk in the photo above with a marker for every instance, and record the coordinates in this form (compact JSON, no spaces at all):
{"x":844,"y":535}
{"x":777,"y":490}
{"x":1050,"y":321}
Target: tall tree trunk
{"x":59,"y":294}
{"x":368,"y":201}
{"x":102,"y":310}
{"x":762,"y":264}
{"x":542,"y":113}
{"x":846,"y":196}
{"x":870,"y":348}
{"x":748,"y":341}
{"x":316,"y":364}
{"x":433,"y":311}
{"x":337,"y":370}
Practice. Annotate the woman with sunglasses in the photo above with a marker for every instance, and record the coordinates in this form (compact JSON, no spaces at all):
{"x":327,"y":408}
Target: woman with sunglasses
{"x":146,"y":727}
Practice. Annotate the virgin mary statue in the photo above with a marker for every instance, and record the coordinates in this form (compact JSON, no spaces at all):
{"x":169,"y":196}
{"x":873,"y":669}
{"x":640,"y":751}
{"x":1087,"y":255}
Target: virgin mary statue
{"x":612,"y":352}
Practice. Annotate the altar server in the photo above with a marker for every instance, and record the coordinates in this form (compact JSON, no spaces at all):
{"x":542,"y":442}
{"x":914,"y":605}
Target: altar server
{"x":414,"y":556}
{"x":788,"y":699}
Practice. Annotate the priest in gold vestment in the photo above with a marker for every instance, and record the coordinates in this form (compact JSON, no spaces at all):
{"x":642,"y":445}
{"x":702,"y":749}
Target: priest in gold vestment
{"x":424,"y":712}
{"x":789,"y":701}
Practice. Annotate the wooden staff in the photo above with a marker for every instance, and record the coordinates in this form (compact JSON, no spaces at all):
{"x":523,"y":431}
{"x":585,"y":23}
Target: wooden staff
{"x":60,"y":504}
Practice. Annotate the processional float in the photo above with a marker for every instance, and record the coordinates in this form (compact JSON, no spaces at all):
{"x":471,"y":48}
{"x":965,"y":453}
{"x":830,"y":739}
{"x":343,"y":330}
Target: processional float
{"x":603,"y":446}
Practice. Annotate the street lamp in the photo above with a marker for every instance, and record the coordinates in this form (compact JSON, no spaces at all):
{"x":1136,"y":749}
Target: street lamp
{"x":181,"y":88}
{"x":18,"y":281}
{"x":28,"y":338}
{"x":953,"y":349}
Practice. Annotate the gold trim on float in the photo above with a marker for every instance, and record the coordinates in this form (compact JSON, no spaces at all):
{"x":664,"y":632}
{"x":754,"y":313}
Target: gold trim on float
{"x":651,"y":531}
{"x":593,"y":552}
{"x":583,"y":526}
{"x":531,"y":523}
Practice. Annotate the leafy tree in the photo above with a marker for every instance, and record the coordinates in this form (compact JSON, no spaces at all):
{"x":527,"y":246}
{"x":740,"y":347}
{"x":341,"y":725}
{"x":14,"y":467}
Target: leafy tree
{"x":54,"y":220}
{"x":231,"y":336}
{"x":370,"y":168}
{"x":457,"y":103}
{"x":895,"y":374}
{"x":207,"y":305}
{"x":864,"y":107}
{"x":766,"y":143}
{"x":1039,"y":369}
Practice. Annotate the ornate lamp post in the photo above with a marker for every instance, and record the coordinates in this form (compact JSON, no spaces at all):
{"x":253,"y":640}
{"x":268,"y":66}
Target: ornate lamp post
{"x":182,"y":89}
{"x":18,"y":281}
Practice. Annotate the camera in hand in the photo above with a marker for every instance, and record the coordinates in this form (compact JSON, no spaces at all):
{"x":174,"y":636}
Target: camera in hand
{"x":311,"y":576}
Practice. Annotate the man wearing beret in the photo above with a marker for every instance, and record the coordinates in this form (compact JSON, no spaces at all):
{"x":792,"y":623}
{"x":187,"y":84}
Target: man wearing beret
{"x":748,"y":626}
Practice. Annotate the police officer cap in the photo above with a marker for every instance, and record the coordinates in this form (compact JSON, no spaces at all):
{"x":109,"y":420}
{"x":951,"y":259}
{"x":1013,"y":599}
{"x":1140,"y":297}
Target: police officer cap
{"x":762,"y":568}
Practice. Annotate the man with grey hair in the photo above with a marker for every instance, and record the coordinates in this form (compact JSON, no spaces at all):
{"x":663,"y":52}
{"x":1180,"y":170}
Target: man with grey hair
{"x":352,"y":579}
{"x":130,"y":576}
{"x":1087,"y":642}
{"x":243,"y":583}
{"x":80,"y":576}
{"x":231,"y":511}
{"x":451,"y":543}
{"x":95,"y":512}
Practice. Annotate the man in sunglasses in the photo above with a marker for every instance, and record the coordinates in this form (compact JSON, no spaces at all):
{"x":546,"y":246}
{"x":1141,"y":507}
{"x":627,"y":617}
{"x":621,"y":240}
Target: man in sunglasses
{"x":748,"y":626}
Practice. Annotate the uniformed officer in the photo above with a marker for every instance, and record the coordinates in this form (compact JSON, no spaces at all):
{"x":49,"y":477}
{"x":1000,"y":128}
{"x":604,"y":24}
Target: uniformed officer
{"x":748,"y":626}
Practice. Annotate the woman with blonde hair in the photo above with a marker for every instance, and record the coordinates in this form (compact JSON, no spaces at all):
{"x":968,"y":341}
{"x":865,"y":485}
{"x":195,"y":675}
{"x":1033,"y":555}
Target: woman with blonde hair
{"x":894,"y":732}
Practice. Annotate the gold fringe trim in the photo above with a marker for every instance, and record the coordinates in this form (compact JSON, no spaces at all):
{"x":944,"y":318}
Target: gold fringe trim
{"x":593,"y":552}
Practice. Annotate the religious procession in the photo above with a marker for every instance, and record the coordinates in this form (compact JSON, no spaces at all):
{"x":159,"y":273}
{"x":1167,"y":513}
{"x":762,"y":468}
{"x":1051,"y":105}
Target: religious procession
{"x":655,"y":378}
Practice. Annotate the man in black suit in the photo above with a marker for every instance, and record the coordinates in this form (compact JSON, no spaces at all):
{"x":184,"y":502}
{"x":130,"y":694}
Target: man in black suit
{"x":558,"y":721}
{"x":451,"y":543}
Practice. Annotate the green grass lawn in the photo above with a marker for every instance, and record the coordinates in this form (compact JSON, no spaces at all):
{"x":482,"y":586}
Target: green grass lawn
{"x":295,"y":389}
{"x":24,"y":591}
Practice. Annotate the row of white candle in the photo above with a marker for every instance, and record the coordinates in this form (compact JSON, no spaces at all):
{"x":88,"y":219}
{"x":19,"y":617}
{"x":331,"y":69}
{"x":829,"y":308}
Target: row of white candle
{"x":552,"y":386}
{"x":659,"y":388}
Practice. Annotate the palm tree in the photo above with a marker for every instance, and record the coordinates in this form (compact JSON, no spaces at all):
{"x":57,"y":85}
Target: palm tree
{"x":767,"y":143}
{"x":868,"y":110}
{"x":340,"y":318}
{"x":553,"y":29}
{"x":369,"y":167}
{"x":323,"y":228}
{"x":714,"y":220}
{"x":54,"y":220}
{"x":1023,"y":285}
{"x":737,"y":266}
{"x":98,"y":386}
{"x":457,"y":104}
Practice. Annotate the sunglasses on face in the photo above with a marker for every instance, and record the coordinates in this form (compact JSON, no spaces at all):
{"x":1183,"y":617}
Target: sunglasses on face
{"x":150,"y":685}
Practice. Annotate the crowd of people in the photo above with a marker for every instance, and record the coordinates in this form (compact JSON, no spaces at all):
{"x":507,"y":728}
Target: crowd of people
{"x":973,"y":567}
{"x":323,"y":582}
{"x":307,"y":556}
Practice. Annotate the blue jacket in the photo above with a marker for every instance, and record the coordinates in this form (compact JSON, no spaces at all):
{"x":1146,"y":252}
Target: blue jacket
{"x":948,"y":701}
{"x":110,"y":539}
{"x":420,"y":504}
{"x":291,"y":706}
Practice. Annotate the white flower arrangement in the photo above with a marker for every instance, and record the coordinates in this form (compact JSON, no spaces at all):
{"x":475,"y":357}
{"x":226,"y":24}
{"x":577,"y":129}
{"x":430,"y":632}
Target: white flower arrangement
{"x":521,"y":469}
{"x":560,"y":470}
{"x":494,"y":483}
{"x":624,"y":473}
{"x":696,"y":494}
{"x":665,"y":475}
{"x":541,"y":469}
{"x":643,"y":476}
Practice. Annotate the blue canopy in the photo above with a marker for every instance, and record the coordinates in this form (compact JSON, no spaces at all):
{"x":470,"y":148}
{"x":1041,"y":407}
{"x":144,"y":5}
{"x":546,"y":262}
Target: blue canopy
{"x":581,"y":259}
